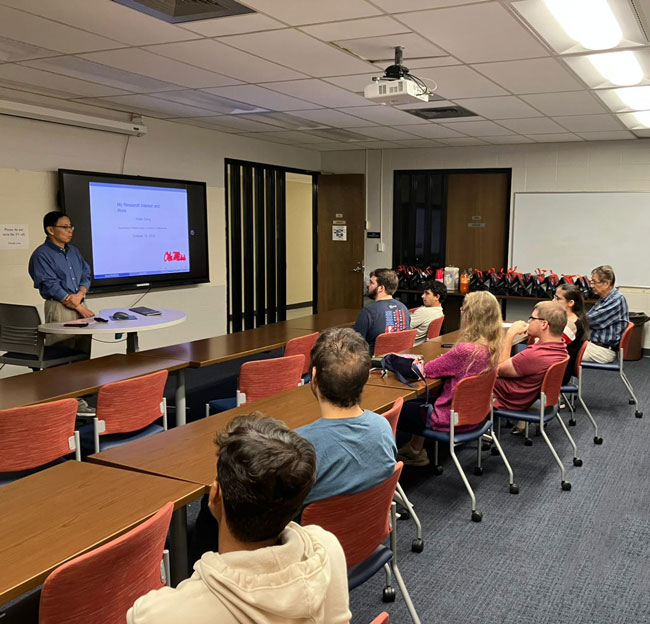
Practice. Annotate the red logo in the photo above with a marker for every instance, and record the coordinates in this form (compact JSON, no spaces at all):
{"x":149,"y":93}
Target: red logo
{"x":174,"y":256}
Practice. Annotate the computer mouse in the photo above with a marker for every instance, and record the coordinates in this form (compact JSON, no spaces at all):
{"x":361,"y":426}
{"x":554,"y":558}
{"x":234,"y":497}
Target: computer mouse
{"x":120,"y":316}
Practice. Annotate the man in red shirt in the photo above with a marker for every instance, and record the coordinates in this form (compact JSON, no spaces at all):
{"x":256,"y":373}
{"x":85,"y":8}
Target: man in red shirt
{"x":520,"y":377}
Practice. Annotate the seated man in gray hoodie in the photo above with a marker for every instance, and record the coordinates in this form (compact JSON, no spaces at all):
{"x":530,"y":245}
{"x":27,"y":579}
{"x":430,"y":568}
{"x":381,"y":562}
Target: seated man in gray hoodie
{"x":268,"y":570}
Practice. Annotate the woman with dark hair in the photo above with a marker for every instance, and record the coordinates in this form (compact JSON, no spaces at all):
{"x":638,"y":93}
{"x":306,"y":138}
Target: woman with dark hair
{"x":577,"y":327}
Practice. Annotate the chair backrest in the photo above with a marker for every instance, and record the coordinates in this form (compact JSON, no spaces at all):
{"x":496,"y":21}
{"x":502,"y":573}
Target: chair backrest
{"x":359,"y":521}
{"x":625,"y":338}
{"x":19,"y":329}
{"x":262,"y":378}
{"x":37,"y":434}
{"x":131,"y":404}
{"x":553,"y":382}
{"x":302,"y":345}
{"x":433,"y":331}
{"x":392,"y":415}
{"x":472,"y":399}
{"x":395,"y":342}
{"x":579,"y":357}
{"x":382,"y":618}
{"x":103,"y":584}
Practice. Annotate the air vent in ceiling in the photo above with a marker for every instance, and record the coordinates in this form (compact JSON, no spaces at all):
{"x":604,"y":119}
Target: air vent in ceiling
{"x":176,"y":11}
{"x":444,"y":112}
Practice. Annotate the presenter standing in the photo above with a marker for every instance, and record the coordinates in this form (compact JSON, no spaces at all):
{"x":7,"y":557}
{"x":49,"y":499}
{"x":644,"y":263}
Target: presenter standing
{"x":62,"y":277}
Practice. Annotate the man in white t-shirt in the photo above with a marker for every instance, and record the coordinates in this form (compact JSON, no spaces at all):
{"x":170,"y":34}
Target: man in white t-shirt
{"x":433,"y":297}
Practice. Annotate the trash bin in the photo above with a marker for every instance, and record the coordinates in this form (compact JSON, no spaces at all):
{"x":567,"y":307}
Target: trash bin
{"x":635,"y":348}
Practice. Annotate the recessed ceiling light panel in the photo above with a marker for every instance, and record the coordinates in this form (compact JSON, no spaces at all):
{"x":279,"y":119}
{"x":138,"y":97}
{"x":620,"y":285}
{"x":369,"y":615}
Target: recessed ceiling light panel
{"x":178,"y":11}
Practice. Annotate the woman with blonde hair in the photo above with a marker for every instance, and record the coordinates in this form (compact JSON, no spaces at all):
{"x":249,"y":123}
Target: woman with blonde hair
{"x":476,"y":351}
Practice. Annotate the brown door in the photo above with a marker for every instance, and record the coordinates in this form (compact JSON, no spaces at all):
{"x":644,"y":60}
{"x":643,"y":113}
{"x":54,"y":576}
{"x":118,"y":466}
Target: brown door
{"x":477,"y":215}
{"x":341,"y":225}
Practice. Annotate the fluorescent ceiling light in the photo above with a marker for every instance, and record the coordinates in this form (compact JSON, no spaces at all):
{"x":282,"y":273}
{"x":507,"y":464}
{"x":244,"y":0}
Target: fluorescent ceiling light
{"x":620,"y":68}
{"x":643,"y":118}
{"x":636,"y":98}
{"x":589,"y":22}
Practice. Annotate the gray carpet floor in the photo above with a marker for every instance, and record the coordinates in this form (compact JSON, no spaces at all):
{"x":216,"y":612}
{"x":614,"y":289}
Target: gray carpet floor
{"x":544,"y":555}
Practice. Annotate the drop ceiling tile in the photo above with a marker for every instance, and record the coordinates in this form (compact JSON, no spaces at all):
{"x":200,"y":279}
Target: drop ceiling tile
{"x":395,"y":6}
{"x":476,"y":33}
{"x":383,"y":132}
{"x":294,"y":136}
{"x":297,"y":12}
{"x":232,"y":25}
{"x":562,"y":137}
{"x":103,"y":74}
{"x":162,"y":68}
{"x":12,"y":50}
{"x":534,"y":125}
{"x":353,"y":29}
{"x":318,"y":92}
{"x":530,"y":76}
{"x":509,"y":139}
{"x":230,"y":123}
{"x":418,"y":143}
{"x":382,"y":49}
{"x":209,"y":101}
{"x":265,"y":98}
{"x":589,"y":123}
{"x":334,"y":147}
{"x":429,"y":61}
{"x":355,"y":82}
{"x":223,"y":59}
{"x":432,"y":131}
{"x":503,"y":107}
{"x":299,"y":51}
{"x":284,"y":120}
{"x":571,"y":103}
{"x":460,"y":81}
{"x":462,"y":142}
{"x":329,"y":117}
{"x":200,"y":122}
{"x":376,"y":145}
{"x":477,"y":128}
{"x":383,"y":115}
{"x":606,"y":136}
{"x":31,"y":79}
{"x":106,"y":18}
{"x":148,"y":105}
{"x":51,"y":35}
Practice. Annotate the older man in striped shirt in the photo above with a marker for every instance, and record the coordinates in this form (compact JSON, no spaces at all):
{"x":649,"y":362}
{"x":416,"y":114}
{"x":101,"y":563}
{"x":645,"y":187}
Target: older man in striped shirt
{"x":608,"y":318}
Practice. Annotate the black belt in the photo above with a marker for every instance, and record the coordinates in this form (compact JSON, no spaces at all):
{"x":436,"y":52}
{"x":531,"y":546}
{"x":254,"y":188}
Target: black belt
{"x":600,"y":344}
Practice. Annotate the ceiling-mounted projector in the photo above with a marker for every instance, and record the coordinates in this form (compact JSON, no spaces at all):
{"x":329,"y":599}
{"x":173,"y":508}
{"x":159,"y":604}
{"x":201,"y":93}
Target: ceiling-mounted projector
{"x":397,"y":85}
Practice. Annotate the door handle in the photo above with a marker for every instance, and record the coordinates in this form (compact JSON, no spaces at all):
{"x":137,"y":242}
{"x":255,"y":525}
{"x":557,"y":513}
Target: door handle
{"x":359,"y":268}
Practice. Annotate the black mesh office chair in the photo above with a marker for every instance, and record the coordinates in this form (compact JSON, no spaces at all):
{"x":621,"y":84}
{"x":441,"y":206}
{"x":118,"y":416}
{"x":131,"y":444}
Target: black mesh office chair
{"x":25,"y":345}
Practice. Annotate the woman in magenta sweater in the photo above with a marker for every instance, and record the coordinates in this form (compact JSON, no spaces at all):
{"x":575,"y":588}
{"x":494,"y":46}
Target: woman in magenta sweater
{"x":477,"y":350}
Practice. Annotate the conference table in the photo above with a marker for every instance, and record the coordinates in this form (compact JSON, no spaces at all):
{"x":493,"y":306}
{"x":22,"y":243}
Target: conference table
{"x":57,"y":514}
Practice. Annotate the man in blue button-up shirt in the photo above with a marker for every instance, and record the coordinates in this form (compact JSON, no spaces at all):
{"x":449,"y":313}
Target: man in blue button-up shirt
{"x":62,"y":276}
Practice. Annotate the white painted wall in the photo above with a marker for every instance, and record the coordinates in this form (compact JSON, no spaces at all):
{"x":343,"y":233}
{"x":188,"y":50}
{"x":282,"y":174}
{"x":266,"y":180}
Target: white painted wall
{"x":588,"y":166}
{"x":32,"y":151}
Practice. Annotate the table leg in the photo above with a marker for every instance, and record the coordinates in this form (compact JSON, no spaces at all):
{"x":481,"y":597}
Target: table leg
{"x":180,"y":398}
{"x":178,"y":541}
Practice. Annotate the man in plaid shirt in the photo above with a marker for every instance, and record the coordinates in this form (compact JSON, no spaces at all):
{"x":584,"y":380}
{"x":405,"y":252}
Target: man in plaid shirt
{"x":608,"y":318}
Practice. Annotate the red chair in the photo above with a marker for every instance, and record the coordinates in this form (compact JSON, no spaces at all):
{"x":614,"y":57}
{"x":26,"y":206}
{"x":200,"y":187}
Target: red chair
{"x":549,"y":398}
{"x":617,"y":366}
{"x":129,"y":406}
{"x":571,"y":390}
{"x":261,"y":378}
{"x":395,"y":342}
{"x":302,"y":345}
{"x":32,"y":437}
{"x":417,"y":545}
{"x":369,"y":518}
{"x":435,"y":326}
{"x":382,"y":618}
{"x":103,"y":584}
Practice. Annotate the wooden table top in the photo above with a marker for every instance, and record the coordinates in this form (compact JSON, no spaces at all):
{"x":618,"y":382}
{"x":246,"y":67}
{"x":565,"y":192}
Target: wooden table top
{"x":79,"y":378}
{"x":324,"y":320}
{"x":59,"y":513}
{"x":189,"y":453}
{"x":229,"y":346}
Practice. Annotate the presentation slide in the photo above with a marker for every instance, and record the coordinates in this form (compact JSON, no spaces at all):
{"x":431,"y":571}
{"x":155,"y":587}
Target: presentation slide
{"x":138,"y":230}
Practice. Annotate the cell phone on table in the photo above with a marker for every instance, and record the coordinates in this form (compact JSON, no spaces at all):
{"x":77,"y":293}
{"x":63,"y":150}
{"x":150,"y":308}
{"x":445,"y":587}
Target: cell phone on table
{"x":447,"y":345}
{"x":75,"y":324}
{"x":101,"y":320}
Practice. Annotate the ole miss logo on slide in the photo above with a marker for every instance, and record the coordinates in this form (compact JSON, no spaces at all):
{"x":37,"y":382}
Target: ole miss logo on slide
{"x":174,"y":256}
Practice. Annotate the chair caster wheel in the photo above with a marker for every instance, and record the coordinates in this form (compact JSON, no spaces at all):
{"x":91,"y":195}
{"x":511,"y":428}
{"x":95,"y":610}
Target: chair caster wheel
{"x":638,"y":414}
{"x":437,"y":470}
{"x":478,"y":471}
{"x":514,"y":488}
{"x":598,"y":440}
{"x":631,"y":401}
{"x":528,"y":442}
{"x":417,"y":545}
{"x":577,"y":461}
{"x":477,"y":516}
{"x":388,"y":595}
{"x":494,"y":451}
{"x":403,"y":513}
{"x":572,"y":422}
{"x":566,"y":486}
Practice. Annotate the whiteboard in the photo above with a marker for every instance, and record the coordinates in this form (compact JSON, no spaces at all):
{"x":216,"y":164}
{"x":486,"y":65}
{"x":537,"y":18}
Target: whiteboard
{"x":572,"y":233}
